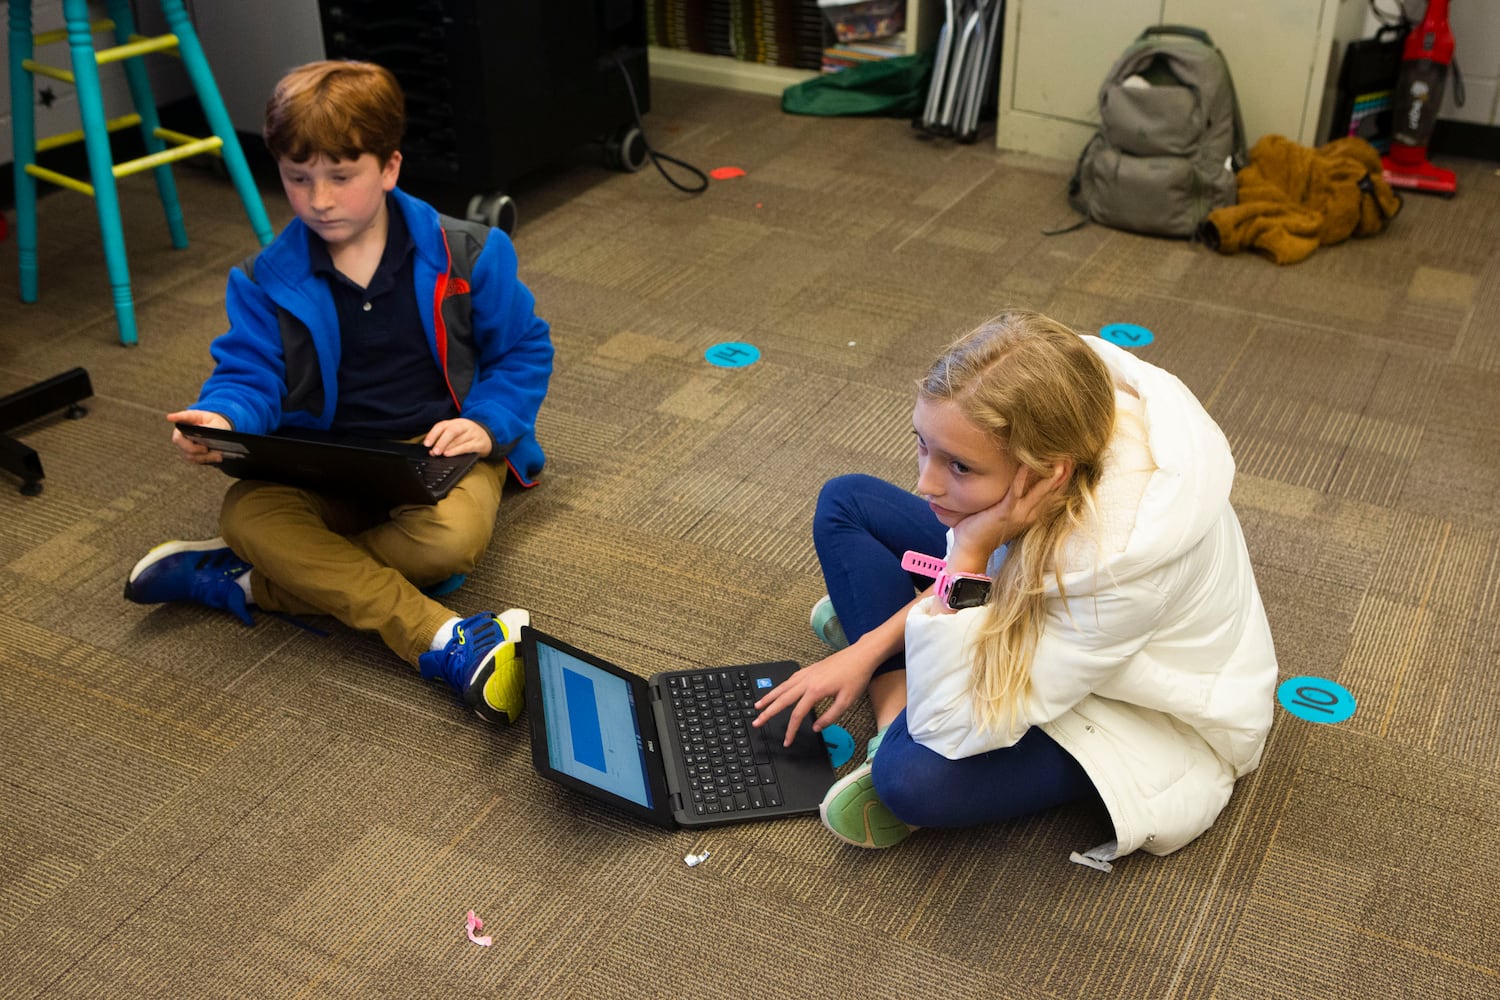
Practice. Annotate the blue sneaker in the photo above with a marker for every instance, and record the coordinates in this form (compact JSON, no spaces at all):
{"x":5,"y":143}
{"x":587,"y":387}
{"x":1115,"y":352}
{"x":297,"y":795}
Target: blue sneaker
{"x":481,"y":665}
{"x":204,"y":572}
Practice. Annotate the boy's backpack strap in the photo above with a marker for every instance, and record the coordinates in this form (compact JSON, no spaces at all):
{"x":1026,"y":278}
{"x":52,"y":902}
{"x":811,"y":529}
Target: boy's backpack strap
{"x":465,"y":241}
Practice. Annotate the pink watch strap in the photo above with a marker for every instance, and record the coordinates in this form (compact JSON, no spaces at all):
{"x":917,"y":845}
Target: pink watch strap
{"x":916,"y":562}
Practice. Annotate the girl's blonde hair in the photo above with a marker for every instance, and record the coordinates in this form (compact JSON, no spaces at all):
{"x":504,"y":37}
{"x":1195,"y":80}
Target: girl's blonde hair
{"x":1045,"y":398}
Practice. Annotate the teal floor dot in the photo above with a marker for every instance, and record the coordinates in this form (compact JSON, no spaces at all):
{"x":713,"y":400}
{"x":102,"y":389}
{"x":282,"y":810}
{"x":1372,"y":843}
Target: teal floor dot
{"x":732,"y":354}
{"x":1126,"y":335}
{"x":1316,"y":699}
{"x":839,"y":743}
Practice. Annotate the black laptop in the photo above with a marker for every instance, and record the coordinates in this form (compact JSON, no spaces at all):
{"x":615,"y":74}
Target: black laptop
{"x":676,"y":749}
{"x":395,"y":472}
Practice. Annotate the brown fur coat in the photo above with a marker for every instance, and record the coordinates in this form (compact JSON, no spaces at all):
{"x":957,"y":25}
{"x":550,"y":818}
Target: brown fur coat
{"x":1293,"y":199}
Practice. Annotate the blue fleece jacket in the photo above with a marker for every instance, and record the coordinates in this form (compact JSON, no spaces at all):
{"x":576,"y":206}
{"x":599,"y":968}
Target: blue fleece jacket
{"x":277,"y":366}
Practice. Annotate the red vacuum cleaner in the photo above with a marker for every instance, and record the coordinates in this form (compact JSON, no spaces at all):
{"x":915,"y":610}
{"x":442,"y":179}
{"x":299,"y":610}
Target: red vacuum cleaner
{"x":1419,"y":95}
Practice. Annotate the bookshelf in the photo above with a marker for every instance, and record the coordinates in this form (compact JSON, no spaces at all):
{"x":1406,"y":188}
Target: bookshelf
{"x":923,"y":19}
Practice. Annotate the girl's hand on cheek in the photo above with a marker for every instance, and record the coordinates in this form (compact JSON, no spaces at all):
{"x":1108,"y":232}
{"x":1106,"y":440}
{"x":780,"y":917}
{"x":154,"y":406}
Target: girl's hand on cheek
{"x":984,"y":531}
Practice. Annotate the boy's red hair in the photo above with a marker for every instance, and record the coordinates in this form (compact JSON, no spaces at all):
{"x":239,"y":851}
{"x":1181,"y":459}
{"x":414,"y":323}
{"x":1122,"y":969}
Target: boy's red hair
{"x":338,"y":109}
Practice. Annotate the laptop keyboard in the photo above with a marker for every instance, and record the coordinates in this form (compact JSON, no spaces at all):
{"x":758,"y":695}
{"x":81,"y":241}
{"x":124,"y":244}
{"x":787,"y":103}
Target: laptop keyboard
{"x":436,"y":470}
{"x":728,"y":761}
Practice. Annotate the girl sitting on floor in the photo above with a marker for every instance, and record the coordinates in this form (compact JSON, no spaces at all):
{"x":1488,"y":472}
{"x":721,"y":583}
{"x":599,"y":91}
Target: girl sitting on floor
{"x":1094,"y":632}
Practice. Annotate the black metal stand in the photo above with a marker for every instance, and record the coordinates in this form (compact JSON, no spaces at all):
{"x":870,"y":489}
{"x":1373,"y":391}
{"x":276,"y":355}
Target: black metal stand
{"x":33,"y":403}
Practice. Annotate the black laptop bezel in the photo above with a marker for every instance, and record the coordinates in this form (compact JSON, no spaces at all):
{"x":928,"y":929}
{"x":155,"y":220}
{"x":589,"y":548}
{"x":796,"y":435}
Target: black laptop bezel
{"x":240,"y":462}
{"x":660,"y":813}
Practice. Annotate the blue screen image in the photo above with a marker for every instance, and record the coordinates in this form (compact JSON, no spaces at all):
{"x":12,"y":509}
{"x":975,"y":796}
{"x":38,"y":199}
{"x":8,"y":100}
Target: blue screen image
{"x":593,"y":732}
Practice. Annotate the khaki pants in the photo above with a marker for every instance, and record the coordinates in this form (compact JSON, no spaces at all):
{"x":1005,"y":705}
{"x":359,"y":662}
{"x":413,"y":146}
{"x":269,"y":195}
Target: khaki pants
{"x":362,"y":564}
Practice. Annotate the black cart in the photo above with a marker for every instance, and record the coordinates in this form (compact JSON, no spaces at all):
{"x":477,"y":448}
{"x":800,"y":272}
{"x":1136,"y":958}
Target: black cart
{"x":496,"y":89}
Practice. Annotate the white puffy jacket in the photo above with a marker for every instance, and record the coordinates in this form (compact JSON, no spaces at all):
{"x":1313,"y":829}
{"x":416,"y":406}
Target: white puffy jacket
{"x":1157,"y":673}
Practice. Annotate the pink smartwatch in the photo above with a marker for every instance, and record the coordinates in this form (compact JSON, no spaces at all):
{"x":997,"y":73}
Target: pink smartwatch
{"x":963,"y":590}
{"x":956,"y":590}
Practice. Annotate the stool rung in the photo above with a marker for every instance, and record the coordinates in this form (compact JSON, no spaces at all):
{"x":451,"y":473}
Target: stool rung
{"x":182,"y":139}
{"x":184,"y":146}
{"x":68,"y":138}
{"x":42,"y":69}
{"x":152,"y":160}
{"x":139,"y":45}
{"x":61,"y":180}
{"x":61,"y":34}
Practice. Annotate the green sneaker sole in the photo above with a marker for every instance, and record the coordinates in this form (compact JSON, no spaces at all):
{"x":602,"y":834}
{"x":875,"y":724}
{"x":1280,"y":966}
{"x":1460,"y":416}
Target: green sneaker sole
{"x":854,"y":813}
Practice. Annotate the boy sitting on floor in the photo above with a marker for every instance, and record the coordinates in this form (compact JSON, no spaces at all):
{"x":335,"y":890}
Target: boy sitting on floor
{"x":371,"y":315}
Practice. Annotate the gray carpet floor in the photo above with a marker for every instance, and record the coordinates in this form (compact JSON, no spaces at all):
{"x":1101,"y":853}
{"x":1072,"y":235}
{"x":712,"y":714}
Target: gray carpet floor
{"x":189,"y":807}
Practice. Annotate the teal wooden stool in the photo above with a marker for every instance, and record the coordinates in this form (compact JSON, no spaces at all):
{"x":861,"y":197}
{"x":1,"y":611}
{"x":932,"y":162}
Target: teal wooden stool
{"x":163,"y":146}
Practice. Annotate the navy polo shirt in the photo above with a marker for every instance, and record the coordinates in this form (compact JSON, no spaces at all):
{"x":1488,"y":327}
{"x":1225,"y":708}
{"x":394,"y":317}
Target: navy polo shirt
{"x":389,"y":383}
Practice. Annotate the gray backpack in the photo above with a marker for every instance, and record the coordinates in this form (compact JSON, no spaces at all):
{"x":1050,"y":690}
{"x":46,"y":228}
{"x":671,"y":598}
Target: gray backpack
{"x":1170,"y":137}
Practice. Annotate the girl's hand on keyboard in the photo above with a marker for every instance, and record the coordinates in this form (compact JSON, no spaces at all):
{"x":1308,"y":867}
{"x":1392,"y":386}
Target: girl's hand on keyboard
{"x":457,"y":437}
{"x":842,"y":676}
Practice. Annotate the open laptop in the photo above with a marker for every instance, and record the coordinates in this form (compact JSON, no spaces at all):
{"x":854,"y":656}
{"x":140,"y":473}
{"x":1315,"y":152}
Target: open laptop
{"x":392,"y":471}
{"x":676,"y":749}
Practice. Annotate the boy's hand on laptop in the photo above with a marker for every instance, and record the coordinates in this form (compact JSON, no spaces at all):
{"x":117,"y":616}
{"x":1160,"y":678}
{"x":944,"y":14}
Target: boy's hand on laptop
{"x":457,"y":437}
{"x":192,"y":451}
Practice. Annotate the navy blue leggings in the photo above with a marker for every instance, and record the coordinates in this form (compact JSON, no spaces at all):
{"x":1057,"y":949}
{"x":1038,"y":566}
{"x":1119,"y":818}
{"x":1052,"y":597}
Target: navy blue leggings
{"x":861,"y":528}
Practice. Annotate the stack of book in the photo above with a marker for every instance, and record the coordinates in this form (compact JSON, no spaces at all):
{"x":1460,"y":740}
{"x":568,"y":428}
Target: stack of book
{"x":842,"y":55}
{"x":863,"y":31}
{"x":776,"y":32}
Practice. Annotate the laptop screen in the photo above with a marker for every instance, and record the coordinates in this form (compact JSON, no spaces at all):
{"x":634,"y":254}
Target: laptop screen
{"x":593,"y":729}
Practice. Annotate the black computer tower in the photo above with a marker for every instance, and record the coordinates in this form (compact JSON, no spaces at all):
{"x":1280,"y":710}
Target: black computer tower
{"x":496,"y":89}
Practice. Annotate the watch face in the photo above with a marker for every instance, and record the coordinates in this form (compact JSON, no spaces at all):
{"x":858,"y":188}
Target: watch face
{"x":966,"y":593}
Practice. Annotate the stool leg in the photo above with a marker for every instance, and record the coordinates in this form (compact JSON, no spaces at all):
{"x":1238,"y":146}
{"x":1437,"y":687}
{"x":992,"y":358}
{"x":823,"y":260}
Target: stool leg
{"x":101,"y":162}
{"x":196,"y":64}
{"x":145,"y":106}
{"x":23,"y":139}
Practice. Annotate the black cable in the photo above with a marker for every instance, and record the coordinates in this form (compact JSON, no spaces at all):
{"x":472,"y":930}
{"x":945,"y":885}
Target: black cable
{"x":656,"y":157}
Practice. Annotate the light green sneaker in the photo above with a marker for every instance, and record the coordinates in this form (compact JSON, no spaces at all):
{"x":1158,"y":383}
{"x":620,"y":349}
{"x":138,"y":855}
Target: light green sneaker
{"x":854,"y":813}
{"x":825,"y":625}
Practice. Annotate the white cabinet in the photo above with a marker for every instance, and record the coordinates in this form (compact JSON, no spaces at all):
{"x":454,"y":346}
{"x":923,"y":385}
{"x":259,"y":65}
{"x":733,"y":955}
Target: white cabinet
{"x":1283,"y":55}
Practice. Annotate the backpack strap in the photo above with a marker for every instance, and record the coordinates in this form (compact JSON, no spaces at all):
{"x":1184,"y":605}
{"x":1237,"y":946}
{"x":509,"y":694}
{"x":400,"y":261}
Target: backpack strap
{"x":1075,"y":189}
{"x":1241,"y":144}
{"x":1177,"y":29}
